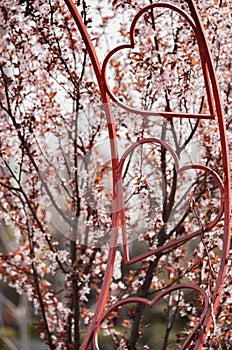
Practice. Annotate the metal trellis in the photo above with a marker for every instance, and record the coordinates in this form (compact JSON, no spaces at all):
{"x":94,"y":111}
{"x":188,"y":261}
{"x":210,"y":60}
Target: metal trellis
{"x":118,"y":213}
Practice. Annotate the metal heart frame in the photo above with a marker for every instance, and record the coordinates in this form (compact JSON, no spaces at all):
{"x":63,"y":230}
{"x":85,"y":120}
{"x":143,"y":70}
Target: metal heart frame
{"x":132,"y":45}
{"x":216,"y":111}
{"x":150,"y":304}
{"x":174,"y":242}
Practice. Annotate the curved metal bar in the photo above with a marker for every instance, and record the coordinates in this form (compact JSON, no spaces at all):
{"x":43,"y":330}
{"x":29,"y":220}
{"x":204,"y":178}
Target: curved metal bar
{"x":157,"y":5}
{"x":151,"y":303}
{"x":114,"y":157}
{"x":148,"y":140}
{"x":131,"y":46}
{"x":207,"y":58}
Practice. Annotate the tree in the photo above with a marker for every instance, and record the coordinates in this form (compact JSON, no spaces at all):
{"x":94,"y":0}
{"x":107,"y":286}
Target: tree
{"x":56,"y":189}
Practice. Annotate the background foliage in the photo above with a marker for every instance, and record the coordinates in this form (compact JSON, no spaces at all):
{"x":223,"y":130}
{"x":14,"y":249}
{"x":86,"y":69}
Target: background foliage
{"x":55,"y":166}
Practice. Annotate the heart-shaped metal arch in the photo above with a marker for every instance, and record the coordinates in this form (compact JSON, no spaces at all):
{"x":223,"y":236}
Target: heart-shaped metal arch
{"x":120,"y":201}
{"x":150,"y":304}
{"x":131,"y":45}
{"x":215,"y":105}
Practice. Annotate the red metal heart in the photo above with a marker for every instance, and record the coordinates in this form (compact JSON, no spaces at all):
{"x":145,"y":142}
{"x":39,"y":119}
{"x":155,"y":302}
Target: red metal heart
{"x":151,"y":303}
{"x":131,"y":45}
{"x":119,"y":202}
